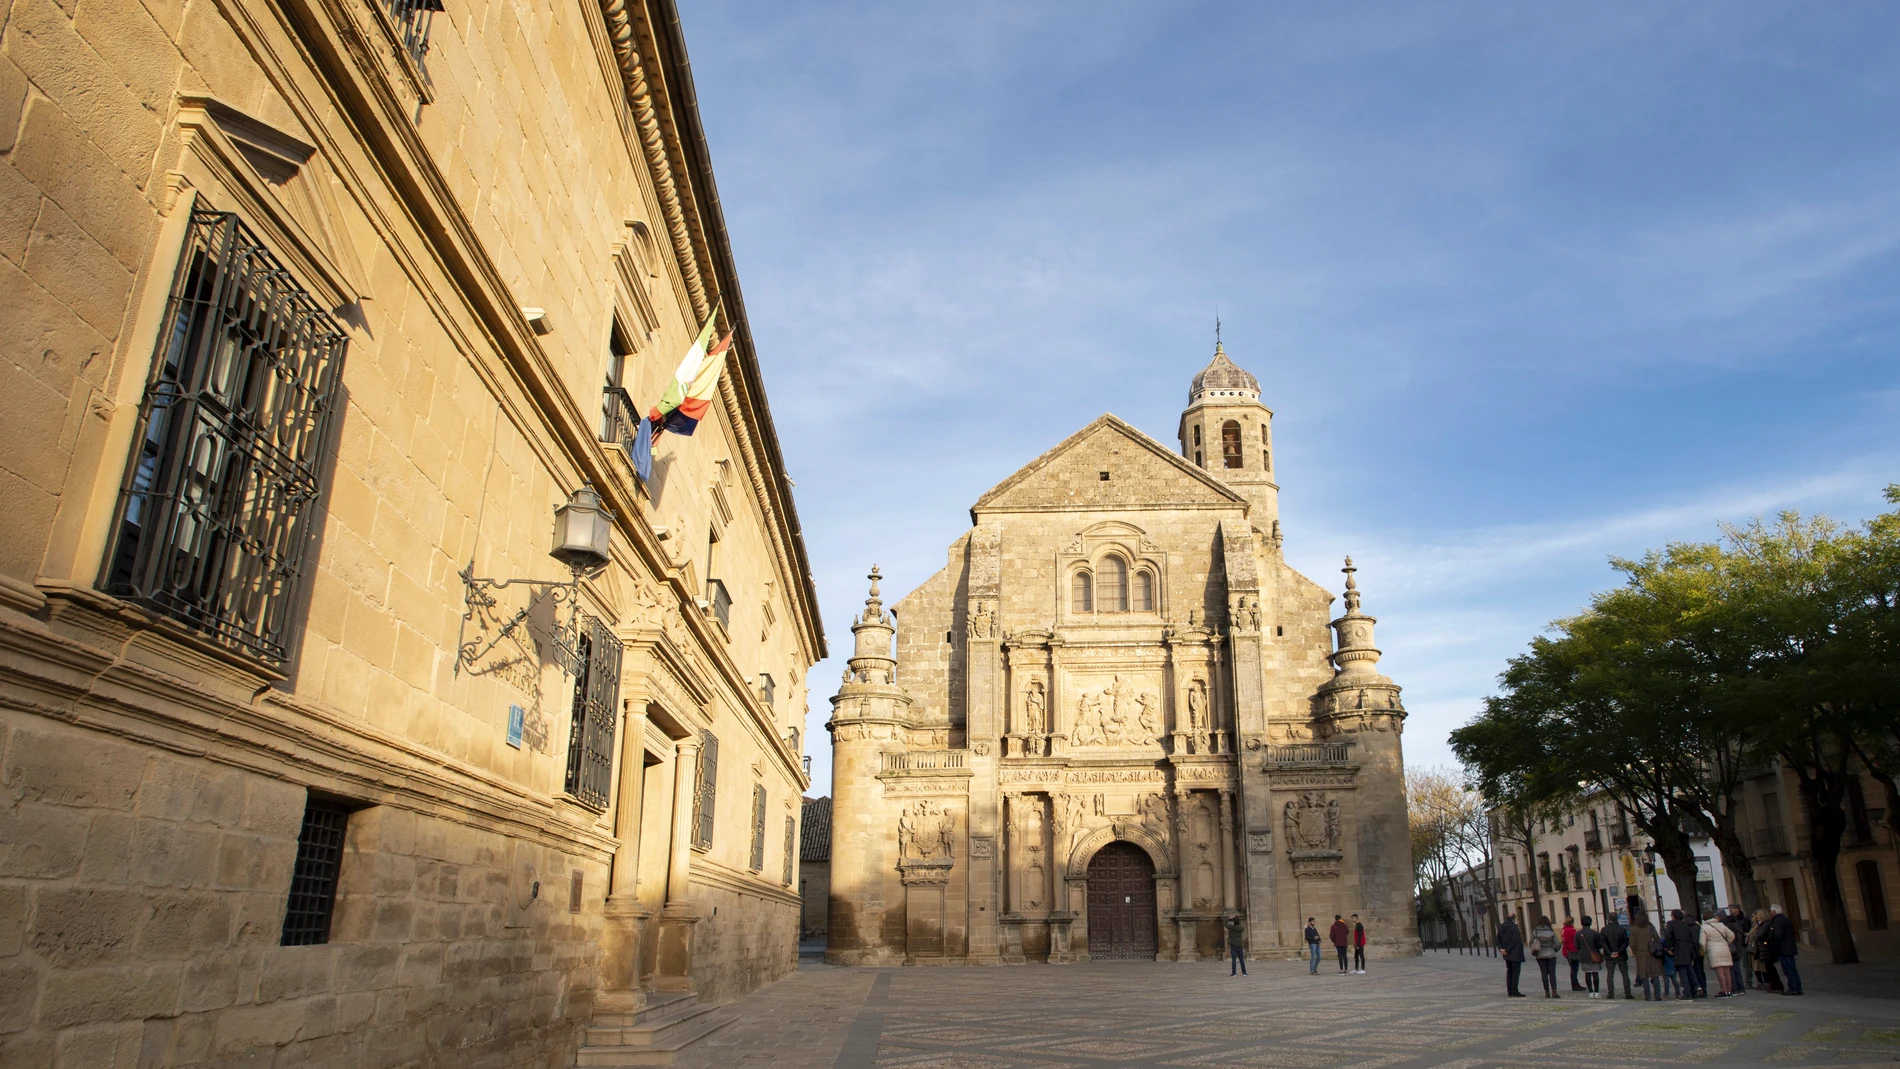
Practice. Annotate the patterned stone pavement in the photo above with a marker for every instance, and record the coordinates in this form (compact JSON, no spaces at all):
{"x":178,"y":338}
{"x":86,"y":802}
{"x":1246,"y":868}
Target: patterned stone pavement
{"x":1433,"y":1011}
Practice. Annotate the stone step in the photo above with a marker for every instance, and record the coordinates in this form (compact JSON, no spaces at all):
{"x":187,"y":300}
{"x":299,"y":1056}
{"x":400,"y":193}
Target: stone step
{"x":661,"y":1052}
{"x":657,"y":1005}
{"x":646,"y":1031}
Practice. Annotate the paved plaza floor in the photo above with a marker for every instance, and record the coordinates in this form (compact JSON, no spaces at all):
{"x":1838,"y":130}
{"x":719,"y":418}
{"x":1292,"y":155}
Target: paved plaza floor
{"x":1439,"y":1010}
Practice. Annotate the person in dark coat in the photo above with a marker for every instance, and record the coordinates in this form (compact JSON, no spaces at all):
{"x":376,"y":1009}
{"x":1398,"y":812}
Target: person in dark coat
{"x":1236,"y":938}
{"x":1341,"y":936}
{"x":1766,"y":978}
{"x":1511,"y":944}
{"x":1646,"y":949}
{"x":1616,"y":957}
{"x":1681,"y":938}
{"x":1738,"y":925}
{"x":1312,"y":944}
{"x":1781,"y":944}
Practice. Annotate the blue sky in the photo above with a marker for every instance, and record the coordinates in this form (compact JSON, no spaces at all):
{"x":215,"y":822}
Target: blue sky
{"x":1527,"y":286}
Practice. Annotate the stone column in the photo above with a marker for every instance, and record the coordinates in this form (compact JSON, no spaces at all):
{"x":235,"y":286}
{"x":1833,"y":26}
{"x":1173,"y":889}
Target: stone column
{"x":1228,"y":875}
{"x":680,"y":915}
{"x":625,"y":920}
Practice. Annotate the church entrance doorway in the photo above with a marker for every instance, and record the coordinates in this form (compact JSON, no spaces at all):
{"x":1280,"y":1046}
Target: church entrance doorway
{"x":1121,"y":915}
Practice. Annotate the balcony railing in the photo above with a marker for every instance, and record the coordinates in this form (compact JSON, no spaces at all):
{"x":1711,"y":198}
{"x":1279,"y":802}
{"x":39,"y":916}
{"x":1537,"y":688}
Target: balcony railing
{"x":719,"y":603}
{"x":619,"y":421}
{"x":925,"y":760}
{"x":1593,"y":841}
{"x":1310,"y":753}
{"x":1559,"y":882}
{"x":412,"y":18}
{"x":1770,"y":841}
{"x":1619,"y":837}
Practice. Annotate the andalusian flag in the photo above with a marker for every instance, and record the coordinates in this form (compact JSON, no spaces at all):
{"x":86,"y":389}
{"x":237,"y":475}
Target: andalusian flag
{"x":694,"y":384}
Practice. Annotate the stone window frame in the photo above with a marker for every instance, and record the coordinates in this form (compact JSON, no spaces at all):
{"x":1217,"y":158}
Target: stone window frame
{"x":1233,"y":455}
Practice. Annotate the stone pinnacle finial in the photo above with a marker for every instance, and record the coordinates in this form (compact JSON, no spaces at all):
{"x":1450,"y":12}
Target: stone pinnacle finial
{"x":876,"y":575}
{"x":1352,"y":588}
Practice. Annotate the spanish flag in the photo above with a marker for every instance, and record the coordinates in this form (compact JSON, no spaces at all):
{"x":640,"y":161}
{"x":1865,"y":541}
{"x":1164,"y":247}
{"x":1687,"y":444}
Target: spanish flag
{"x":694,"y":384}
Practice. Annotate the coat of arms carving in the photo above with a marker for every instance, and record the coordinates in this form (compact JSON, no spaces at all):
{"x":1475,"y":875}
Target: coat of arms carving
{"x":1312,"y":822}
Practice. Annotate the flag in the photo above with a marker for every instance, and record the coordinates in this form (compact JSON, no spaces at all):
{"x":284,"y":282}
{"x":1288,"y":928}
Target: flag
{"x":640,"y":450}
{"x":694,"y":383}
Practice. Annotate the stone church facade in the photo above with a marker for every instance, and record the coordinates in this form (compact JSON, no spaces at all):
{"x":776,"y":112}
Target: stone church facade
{"x":1115,"y":717}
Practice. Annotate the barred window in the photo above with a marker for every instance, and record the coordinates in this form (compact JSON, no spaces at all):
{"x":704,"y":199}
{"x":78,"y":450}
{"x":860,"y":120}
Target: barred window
{"x":1082,"y":592}
{"x":706,"y":790}
{"x":1144,"y":591}
{"x":1112,"y":591}
{"x":313,"y":879}
{"x":214,"y":518}
{"x":590,"y":743}
{"x":758,"y":827}
{"x":791,"y":846}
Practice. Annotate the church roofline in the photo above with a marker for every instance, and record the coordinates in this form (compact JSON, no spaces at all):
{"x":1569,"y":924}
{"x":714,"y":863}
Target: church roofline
{"x":1108,"y":419}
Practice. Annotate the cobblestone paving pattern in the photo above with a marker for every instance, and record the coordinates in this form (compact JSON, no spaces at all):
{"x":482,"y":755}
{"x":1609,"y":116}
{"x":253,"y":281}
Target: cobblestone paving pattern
{"x":1433,"y":1011}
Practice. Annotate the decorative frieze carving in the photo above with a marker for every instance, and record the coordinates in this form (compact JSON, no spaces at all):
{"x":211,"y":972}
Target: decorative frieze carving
{"x":1260,"y":841}
{"x":982,"y":847}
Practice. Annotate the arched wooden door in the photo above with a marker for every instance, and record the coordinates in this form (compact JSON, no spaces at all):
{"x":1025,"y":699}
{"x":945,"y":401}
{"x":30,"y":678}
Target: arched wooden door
{"x":1121,"y":915}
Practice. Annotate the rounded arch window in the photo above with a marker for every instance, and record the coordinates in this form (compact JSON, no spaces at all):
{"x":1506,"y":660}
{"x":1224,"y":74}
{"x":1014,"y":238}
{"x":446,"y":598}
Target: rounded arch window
{"x":1082,"y":592}
{"x":1144,"y":592}
{"x":1113,"y":585}
{"x":1230,"y":444}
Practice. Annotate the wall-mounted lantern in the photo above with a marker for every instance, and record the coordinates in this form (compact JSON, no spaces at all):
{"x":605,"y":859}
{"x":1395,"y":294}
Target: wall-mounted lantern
{"x":583,"y":540}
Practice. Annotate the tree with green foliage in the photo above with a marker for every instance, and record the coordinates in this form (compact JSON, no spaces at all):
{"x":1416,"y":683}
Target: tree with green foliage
{"x":1780,"y":640}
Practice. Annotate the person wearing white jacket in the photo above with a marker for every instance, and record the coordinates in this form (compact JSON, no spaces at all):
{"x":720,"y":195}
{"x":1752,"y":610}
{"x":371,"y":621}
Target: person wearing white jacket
{"x":1717,"y":952}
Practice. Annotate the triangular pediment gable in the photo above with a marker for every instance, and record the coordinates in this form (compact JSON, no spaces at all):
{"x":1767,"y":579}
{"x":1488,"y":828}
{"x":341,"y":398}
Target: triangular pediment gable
{"x":1143,"y":473}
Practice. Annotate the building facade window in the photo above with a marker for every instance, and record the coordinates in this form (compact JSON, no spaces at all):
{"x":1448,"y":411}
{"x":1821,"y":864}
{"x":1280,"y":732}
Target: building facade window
{"x":590,"y":741}
{"x":213,"y":523}
{"x":313,"y":878}
{"x":1230,"y":445}
{"x":1082,"y":592}
{"x":1144,"y":591}
{"x":758,"y":827}
{"x":1114,"y":585}
{"x":1266,"y":450}
{"x":705,"y":790}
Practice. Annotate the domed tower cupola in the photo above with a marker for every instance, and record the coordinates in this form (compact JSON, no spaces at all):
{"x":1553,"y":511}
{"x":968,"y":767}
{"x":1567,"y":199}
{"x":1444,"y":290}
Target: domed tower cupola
{"x":1226,"y":430}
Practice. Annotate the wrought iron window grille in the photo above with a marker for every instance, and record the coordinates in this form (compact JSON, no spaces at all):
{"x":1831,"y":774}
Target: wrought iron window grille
{"x":596,"y":697}
{"x":213,"y":523}
{"x":314,"y":877}
{"x":758,"y":828}
{"x":705,"y":791}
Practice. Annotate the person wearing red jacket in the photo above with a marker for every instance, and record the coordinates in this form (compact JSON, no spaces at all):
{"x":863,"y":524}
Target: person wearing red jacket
{"x":1358,"y":946}
{"x":1341,"y":937}
{"x":1570,"y":952}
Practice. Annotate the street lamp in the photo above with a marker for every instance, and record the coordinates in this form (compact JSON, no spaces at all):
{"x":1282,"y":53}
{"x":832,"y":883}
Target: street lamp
{"x":583,"y":540}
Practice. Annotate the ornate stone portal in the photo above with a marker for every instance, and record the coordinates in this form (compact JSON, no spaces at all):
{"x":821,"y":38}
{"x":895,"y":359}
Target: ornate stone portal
{"x":1117,"y":652}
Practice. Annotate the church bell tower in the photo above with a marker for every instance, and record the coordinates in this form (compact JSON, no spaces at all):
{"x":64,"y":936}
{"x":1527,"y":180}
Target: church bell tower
{"x":1226,"y":430}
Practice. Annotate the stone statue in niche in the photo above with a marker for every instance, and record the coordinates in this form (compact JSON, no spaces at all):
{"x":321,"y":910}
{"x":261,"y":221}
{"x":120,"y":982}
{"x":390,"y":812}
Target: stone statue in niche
{"x":1033,"y":708}
{"x":1312,"y":822}
{"x":1197,"y":705}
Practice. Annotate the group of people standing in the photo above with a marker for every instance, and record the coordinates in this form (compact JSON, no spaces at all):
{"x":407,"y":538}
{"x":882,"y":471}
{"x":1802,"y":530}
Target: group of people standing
{"x":1344,"y":936}
{"x":1674,"y":961}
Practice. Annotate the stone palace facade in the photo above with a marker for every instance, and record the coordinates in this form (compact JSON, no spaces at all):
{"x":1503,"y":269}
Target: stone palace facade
{"x":1116,"y":716}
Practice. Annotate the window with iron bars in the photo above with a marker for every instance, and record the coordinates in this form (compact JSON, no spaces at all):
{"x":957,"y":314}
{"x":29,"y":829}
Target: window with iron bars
{"x":758,"y":827}
{"x":214,"y":519}
{"x":590,"y":743}
{"x":791,"y":845}
{"x":313,"y":879}
{"x":413,"y":19}
{"x":705,"y":790}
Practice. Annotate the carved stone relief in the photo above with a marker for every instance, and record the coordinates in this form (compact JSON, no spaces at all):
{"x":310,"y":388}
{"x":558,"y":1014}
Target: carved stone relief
{"x":1119,"y":714}
{"x":981,"y":621}
{"x":1312,"y":822}
{"x":926,"y":831}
